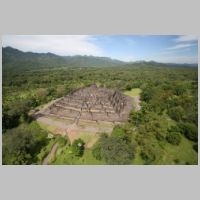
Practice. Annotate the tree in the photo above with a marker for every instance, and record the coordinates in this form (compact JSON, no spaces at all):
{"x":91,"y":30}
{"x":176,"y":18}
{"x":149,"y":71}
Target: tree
{"x":136,"y":117}
{"x":41,"y":94}
{"x":195,"y":147}
{"x":128,"y":87}
{"x":116,"y":151}
{"x":176,"y":113}
{"x":190,"y":131}
{"x":78,"y":147}
{"x":21,"y":144}
{"x":60,"y":90}
{"x":14,"y":113}
{"x":173,"y":138}
{"x":148,"y":155}
{"x":147,"y":94}
{"x":179,"y":90}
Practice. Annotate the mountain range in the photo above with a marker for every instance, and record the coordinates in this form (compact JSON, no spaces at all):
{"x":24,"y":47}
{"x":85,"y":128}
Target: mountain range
{"x":15,"y":59}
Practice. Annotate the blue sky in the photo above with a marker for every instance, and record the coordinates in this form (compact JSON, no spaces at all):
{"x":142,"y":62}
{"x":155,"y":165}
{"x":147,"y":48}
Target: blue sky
{"x":160,"y":48}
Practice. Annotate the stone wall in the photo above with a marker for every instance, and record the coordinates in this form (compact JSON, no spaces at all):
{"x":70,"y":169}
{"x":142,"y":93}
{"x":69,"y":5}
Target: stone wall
{"x":92,"y":103}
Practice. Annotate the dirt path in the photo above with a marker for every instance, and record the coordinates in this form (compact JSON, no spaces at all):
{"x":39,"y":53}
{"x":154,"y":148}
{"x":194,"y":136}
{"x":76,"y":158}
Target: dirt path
{"x":51,"y":154}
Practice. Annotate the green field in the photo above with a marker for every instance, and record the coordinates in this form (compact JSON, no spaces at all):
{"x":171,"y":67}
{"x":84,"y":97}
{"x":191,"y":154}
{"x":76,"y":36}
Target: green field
{"x":133,"y":92}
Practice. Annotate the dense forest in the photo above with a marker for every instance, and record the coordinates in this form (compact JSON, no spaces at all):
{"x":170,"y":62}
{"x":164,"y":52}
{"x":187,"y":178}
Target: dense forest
{"x":164,"y":131}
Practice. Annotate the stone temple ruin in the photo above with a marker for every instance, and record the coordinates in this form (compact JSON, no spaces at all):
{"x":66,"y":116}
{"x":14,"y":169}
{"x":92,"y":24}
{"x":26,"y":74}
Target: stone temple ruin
{"x":91,"y":103}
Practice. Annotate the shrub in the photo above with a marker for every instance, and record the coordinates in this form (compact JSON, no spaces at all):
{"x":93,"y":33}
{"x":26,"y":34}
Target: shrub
{"x":147,"y":94}
{"x":22,"y":144}
{"x":176,"y":113}
{"x":136,"y":117}
{"x":61,"y":141}
{"x":78,"y":147}
{"x":195,"y":147}
{"x":96,"y":151}
{"x":173,"y":138}
{"x":147,"y":155}
{"x":128,"y":87}
{"x":189,"y":130}
{"x":159,"y":136}
{"x":115,"y":150}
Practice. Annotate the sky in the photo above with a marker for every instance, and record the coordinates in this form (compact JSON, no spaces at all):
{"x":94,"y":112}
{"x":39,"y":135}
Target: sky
{"x":159,"y":48}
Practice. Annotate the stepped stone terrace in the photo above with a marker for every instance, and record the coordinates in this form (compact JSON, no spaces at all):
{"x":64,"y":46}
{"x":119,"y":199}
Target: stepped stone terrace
{"x":91,"y":103}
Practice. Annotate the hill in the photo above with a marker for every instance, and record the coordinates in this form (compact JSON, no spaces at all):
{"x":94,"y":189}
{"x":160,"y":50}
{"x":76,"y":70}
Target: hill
{"x":14,"y":58}
{"x":19,"y":60}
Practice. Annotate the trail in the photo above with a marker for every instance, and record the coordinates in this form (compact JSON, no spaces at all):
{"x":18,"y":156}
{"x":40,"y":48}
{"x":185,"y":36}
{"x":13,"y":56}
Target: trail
{"x":51,"y":154}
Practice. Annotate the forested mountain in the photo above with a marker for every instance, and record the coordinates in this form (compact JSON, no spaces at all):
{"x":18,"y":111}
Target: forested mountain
{"x":16,"y":59}
{"x":13,"y":58}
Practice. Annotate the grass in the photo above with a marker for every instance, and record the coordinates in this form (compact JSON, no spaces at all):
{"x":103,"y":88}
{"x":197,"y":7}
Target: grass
{"x":133,"y":92}
{"x":88,"y":137}
{"x":45,"y":151}
{"x":47,"y":127}
{"x":181,"y":154}
{"x":64,"y":156}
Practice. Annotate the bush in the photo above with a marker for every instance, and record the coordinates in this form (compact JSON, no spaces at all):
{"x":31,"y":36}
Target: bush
{"x":78,"y":147}
{"x":114,"y":150}
{"x":136,"y":117}
{"x":173,"y":138}
{"x":190,"y":131}
{"x":22,"y":144}
{"x":148,"y":155}
{"x":147,"y":94}
{"x":195,"y":147}
{"x":128,"y":87}
{"x":176,"y":113}
{"x":96,"y":151}
{"x":61,"y":141}
{"x":118,"y":132}
{"x":122,"y":132}
{"x":159,"y":136}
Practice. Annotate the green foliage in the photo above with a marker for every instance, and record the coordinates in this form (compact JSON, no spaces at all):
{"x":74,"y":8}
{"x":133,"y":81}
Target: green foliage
{"x":173,"y":138}
{"x":21,"y":144}
{"x":118,"y":132}
{"x":136,"y":117}
{"x":179,"y":90}
{"x":14,"y":113}
{"x":169,"y":103}
{"x":96,"y":151}
{"x":114,"y":150}
{"x":62,"y":141}
{"x":78,"y":147}
{"x":195,"y":147}
{"x":176,"y":113}
{"x":147,"y":94}
{"x":148,"y":155}
{"x":128,"y":87}
{"x":189,"y":130}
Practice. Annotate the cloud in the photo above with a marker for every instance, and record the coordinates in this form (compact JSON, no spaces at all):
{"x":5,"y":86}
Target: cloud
{"x":186,"y":38}
{"x":184,"y":41}
{"x":180,"y":46}
{"x":58,"y":44}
